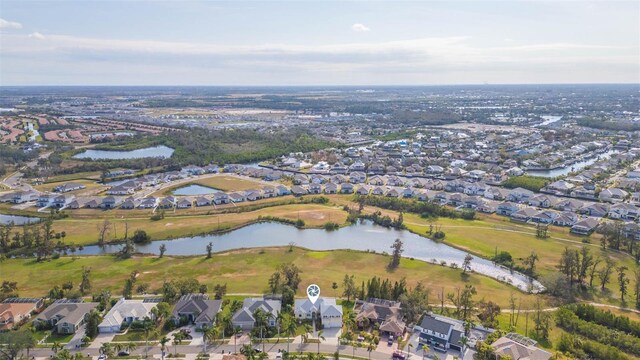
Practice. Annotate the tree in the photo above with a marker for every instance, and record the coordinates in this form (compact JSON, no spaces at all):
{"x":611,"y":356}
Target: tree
{"x":489,"y":312}
{"x":349,"y":286}
{"x":288,"y":326}
{"x":85,"y":284}
{"x":530,"y":263}
{"x":605,"y":273}
{"x":163,"y":249}
{"x":321,"y":338}
{"x":586,"y":261}
{"x":568,"y":264}
{"x":209,"y":333}
{"x":93,"y":320}
{"x":103,"y":231}
{"x":127,"y":292}
{"x":334,"y":286}
{"x":623,"y":282}
{"x":637,"y":288}
{"x":238,"y":330}
{"x":466,"y":301}
{"x":541,"y":320}
{"x":107,"y":349}
{"x":14,"y":342}
{"x":140,"y":237}
{"x":177,"y":340}
{"x":466,"y":264}
{"x":415,"y":302}
{"x":396,"y":255}
{"x":209,"y":250}
{"x":163,"y":343}
{"x":593,"y":270}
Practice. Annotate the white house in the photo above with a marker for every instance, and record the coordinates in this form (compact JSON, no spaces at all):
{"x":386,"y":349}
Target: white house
{"x":324,"y":309}
{"x":125,"y":311}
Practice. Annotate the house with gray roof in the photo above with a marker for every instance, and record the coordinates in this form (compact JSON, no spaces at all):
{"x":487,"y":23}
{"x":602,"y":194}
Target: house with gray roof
{"x":66,"y":316}
{"x":244,"y":318}
{"x":196,"y":309}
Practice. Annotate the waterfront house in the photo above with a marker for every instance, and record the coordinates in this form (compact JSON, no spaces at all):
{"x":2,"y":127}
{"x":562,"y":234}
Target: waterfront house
{"x":66,"y":316}
{"x":244,"y":317}
{"x":126,"y":312}
{"x":324,"y":309}
{"x":196,"y":309}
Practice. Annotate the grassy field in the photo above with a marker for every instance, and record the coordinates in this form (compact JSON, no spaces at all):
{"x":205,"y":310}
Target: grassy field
{"x":246,"y":272}
{"x":218,"y":182}
{"x":92,"y":187}
{"x":90,"y":175}
{"x":84,"y":231}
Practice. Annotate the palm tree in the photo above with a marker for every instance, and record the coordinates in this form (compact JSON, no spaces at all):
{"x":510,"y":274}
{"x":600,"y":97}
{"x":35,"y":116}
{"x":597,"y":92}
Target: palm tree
{"x":320,"y":339}
{"x":163,"y":342}
{"x":131,"y":346}
{"x":236,"y":330}
{"x":306,"y":329}
{"x":177,"y":339}
{"x":425,"y":349}
{"x":117,"y":347}
{"x":261,"y":317}
{"x":350,"y":320}
{"x":248,"y":351}
{"x":370,"y":348}
{"x":208,"y":333}
{"x":106,"y":349}
{"x":409,"y":346}
{"x":288,"y":326}
{"x":55,"y":347}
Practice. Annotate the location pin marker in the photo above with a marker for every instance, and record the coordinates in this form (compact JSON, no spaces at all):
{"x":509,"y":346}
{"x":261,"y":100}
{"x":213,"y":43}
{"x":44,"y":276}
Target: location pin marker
{"x":313,"y":292}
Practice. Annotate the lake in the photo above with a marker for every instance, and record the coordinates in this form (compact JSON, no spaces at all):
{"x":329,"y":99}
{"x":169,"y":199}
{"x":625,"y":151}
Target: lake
{"x":17,"y":220}
{"x":194,"y":189}
{"x":571,"y":168}
{"x":363,"y":236}
{"x":161,"y":151}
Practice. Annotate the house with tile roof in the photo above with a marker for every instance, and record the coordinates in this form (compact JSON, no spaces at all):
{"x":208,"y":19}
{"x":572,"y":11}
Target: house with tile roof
{"x":196,"y":309}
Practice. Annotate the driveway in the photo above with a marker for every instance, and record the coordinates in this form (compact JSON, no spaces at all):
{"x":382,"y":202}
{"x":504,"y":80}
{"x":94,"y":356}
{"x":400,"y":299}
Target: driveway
{"x":76,"y":340}
{"x":331,"y":336}
{"x":101,"y":339}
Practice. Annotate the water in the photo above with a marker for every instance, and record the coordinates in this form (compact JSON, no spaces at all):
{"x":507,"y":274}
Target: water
{"x":363,"y":236}
{"x":156,"y":151}
{"x":549,"y":119}
{"x":194,"y":189}
{"x":563,"y":171}
{"x":17,"y":220}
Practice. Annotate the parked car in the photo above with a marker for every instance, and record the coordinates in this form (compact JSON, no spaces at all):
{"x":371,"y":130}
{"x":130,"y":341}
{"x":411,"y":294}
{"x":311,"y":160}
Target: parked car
{"x":360,"y":338}
{"x":124,"y":353}
{"x":398,"y":355}
{"x":390,"y":340}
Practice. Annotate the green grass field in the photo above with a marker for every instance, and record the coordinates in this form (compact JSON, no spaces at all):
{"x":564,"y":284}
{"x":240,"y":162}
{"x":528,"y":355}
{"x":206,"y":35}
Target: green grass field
{"x":246,"y":272}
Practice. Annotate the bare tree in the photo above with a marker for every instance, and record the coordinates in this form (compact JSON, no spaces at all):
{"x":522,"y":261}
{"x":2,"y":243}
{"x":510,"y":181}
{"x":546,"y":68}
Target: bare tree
{"x":103,"y":231}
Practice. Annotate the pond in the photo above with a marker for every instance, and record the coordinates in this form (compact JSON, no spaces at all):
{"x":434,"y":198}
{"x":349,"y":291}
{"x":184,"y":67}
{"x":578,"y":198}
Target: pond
{"x":194,"y":189}
{"x":571,"y":167}
{"x":17,"y":220}
{"x":364,"y":236}
{"x":161,"y":151}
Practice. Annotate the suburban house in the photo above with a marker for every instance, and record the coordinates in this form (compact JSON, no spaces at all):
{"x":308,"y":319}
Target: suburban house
{"x":196,"y":309}
{"x":324,"y":309}
{"x":585,"y":226}
{"x":520,"y":195}
{"x":71,"y":186}
{"x":244,"y":318}
{"x":15,"y":311}
{"x":594,"y":209}
{"x":125,"y":312}
{"x":516,"y":346}
{"x":623,"y":211}
{"x":612,"y":195}
{"x":220,"y":198}
{"x":439,"y":332}
{"x":524,"y":214}
{"x":506,"y":208}
{"x":66,"y":316}
{"x":566,"y":218}
{"x":387,"y":313}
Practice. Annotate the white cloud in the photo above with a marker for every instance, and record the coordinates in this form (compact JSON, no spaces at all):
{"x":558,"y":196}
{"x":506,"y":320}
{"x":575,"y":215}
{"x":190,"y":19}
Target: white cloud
{"x":4,"y":24}
{"x":37,"y":35}
{"x":359,"y":27}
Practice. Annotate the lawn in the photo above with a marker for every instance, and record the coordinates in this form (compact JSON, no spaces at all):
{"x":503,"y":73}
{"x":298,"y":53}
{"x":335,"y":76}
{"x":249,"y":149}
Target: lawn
{"x":247,"y":272}
{"x":92,"y":187}
{"x":90,"y":175}
{"x":84,"y":231}
{"x":219,"y":182}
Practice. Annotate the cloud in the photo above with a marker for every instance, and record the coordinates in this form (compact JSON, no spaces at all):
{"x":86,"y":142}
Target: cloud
{"x":359,"y":28}
{"x":4,"y":24}
{"x":36,"y":35}
{"x":453,"y":59}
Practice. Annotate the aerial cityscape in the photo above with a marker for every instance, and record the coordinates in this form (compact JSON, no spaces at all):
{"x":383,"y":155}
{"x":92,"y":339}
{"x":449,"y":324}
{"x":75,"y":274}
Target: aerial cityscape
{"x":369,"y":180}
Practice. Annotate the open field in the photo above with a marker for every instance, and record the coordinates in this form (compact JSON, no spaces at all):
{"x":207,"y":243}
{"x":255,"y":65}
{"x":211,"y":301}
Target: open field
{"x":92,"y":187}
{"x":91,"y":175}
{"x":221,"y":182}
{"x":84,"y":231}
{"x":246,"y":272}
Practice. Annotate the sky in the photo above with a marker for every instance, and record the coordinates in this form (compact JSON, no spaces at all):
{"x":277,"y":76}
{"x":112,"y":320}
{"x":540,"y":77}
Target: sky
{"x":197,"y":42}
